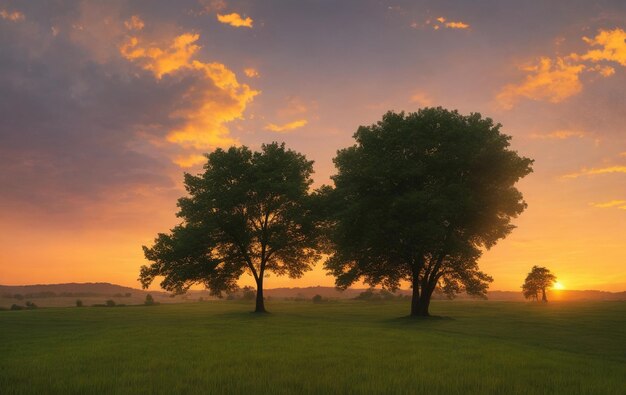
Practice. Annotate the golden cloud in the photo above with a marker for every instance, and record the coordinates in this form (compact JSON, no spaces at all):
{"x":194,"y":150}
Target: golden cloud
{"x":559,"y":135}
{"x":457,"y":25}
{"x":251,"y":73}
{"x":286,"y":127}
{"x":554,"y":80}
{"x":14,"y":16}
{"x":439,"y":23}
{"x":161,"y":61}
{"x":597,"y":171}
{"x":134,"y":23}
{"x":189,"y":160}
{"x":551,"y":80}
{"x":216,"y":99}
{"x":235,"y":20}
{"x":605,"y":71}
{"x":613,"y":47}
{"x":610,"y":204}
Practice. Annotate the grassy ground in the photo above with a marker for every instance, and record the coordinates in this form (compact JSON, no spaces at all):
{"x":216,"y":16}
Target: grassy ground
{"x":346,"y":347}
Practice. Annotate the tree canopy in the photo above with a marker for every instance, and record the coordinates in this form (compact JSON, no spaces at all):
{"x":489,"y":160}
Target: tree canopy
{"x":538,"y":280}
{"x":249,"y":212}
{"x":418,"y":197}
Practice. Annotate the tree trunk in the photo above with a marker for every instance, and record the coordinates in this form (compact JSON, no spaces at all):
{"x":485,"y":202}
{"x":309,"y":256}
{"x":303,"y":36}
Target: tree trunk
{"x":260,"y":302}
{"x":420,"y":301}
{"x":424,"y":301}
{"x":415,"y":298}
{"x":543,"y":295}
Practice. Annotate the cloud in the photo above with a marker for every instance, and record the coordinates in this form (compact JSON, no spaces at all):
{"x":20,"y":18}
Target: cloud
{"x":235,"y":20}
{"x":422,"y":99}
{"x":440,"y":23}
{"x":251,"y":73}
{"x":13,"y":16}
{"x":186,"y":161}
{"x":286,"y":127}
{"x":216,"y":99}
{"x":597,"y":171}
{"x":134,"y":23}
{"x":457,"y":25}
{"x":556,"y":79}
{"x":621,"y":204}
{"x":613,"y":47}
{"x":161,"y":61}
{"x":549,"y":80}
{"x":605,"y":71}
{"x":103,"y":112}
{"x":559,"y":135}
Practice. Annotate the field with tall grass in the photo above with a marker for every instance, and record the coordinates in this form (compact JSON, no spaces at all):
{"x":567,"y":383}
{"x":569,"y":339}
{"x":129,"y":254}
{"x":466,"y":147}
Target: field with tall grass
{"x":346,"y":347}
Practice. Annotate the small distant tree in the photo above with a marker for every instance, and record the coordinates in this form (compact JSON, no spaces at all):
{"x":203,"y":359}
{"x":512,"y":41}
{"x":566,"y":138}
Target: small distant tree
{"x":248,"y":293}
{"x":149,"y":300}
{"x":317,"y":299}
{"x":79,"y":303}
{"x":538,"y":280}
{"x":31,"y":305}
{"x":16,"y":307}
{"x":110,"y":303}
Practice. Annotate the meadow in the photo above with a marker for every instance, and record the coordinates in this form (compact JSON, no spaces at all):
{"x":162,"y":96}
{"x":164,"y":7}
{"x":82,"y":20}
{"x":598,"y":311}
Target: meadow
{"x":346,"y":347}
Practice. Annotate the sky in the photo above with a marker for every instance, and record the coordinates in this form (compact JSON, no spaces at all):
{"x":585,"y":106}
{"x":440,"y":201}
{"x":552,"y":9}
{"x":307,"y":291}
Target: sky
{"x":104,"y":106}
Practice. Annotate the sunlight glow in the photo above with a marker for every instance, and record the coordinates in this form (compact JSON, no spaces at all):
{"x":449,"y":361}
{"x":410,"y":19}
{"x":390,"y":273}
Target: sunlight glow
{"x":558,"y":285}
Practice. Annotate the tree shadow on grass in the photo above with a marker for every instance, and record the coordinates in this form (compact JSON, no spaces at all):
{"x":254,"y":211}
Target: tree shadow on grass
{"x":412,"y":321}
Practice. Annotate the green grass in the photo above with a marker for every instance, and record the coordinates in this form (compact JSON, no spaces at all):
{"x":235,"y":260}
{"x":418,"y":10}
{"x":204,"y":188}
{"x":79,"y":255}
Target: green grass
{"x":347,"y":347}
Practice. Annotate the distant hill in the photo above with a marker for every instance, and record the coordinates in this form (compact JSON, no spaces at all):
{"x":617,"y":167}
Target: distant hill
{"x":69,"y":289}
{"x":107,"y":289}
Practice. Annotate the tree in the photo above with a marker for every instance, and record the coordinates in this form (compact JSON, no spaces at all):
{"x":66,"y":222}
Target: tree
{"x":417,"y":198}
{"x":149,"y":300}
{"x":248,"y":293}
{"x":249,"y":212}
{"x":539,"y":279}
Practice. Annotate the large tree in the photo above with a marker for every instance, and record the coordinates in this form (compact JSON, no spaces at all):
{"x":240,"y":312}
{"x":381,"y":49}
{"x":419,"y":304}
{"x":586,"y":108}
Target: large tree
{"x":418,"y":197}
{"x":538,"y":280}
{"x":249,"y":212}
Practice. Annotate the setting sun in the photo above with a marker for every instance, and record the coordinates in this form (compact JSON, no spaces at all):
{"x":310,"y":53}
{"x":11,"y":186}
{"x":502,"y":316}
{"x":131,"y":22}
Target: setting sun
{"x":558,"y":285}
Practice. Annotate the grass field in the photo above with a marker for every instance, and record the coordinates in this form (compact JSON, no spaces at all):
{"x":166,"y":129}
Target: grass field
{"x":345,"y":347}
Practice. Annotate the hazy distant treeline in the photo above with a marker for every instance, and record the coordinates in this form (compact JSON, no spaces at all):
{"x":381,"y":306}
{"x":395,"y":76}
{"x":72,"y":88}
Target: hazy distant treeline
{"x":48,"y":294}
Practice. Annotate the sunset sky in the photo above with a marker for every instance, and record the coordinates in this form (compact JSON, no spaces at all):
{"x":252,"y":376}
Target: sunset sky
{"x":104,"y":105}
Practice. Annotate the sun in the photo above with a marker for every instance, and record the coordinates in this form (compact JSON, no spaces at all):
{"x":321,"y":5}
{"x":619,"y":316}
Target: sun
{"x":558,"y":285}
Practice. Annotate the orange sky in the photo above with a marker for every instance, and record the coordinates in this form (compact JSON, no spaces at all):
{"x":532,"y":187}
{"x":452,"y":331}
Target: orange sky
{"x":104,"y":105}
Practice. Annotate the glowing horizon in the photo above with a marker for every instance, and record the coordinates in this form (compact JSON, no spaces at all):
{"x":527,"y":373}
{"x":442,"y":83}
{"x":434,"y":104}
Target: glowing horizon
{"x":106,"y":105}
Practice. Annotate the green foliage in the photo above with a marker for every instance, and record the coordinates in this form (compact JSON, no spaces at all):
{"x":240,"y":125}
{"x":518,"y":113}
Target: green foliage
{"x":352,"y":348}
{"x":538,"y":280}
{"x":248,"y":212}
{"x":417,"y":198}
